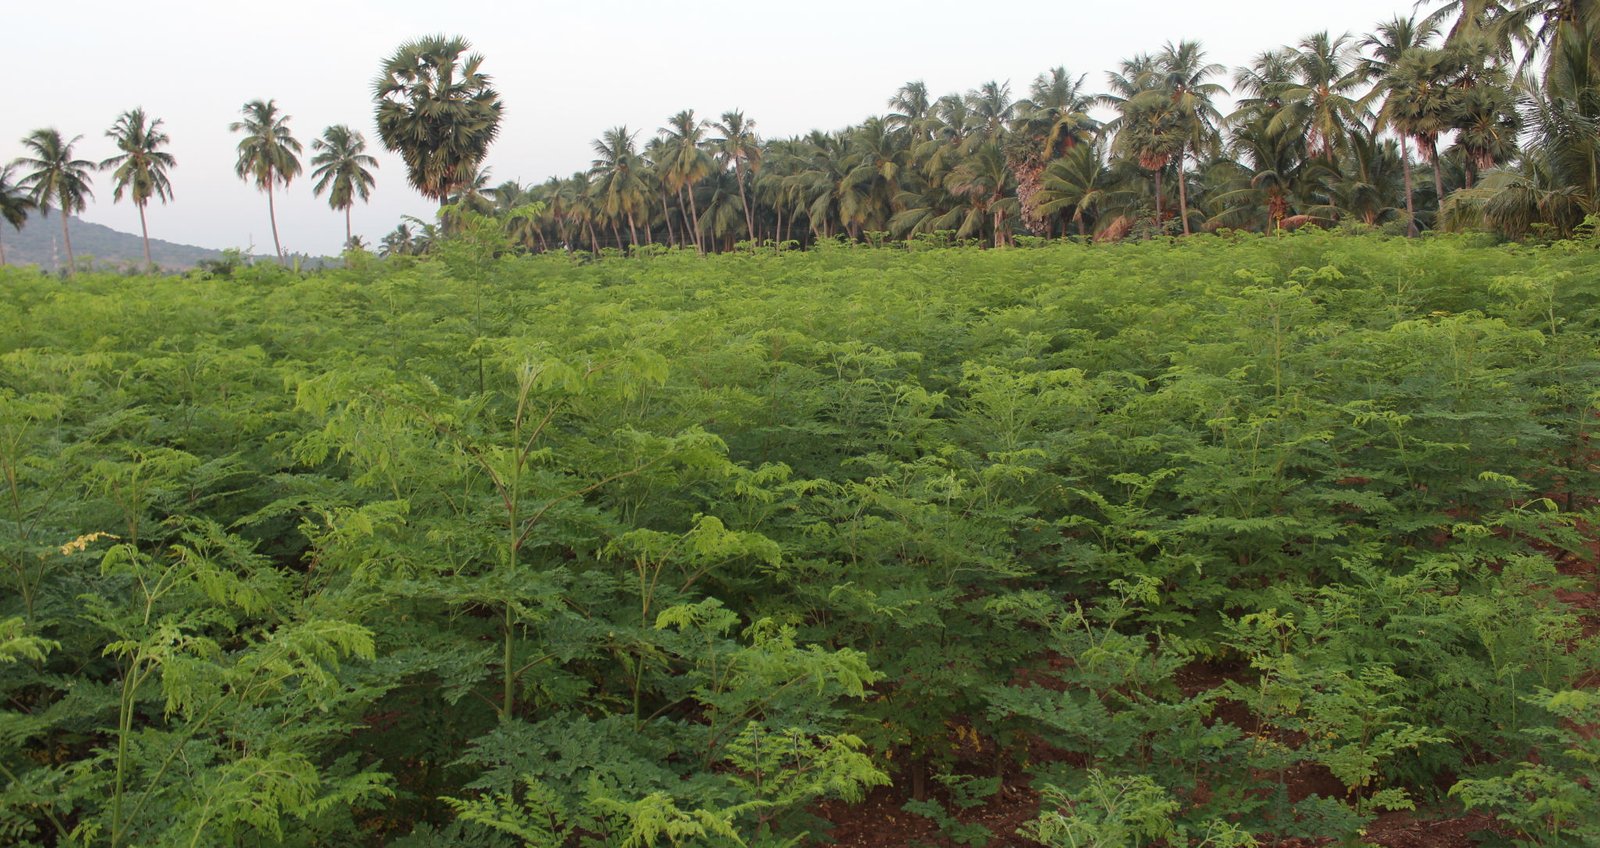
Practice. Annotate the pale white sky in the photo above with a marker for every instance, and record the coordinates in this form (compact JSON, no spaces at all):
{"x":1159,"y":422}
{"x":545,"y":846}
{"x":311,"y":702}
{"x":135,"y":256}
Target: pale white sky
{"x":566,"y":71}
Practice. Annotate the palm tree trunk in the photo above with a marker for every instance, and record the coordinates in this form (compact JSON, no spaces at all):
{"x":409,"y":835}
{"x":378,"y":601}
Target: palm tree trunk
{"x":1183,"y":191}
{"x":66,"y":236}
{"x":2,"y":251}
{"x":272,"y":212}
{"x":749,"y":219}
{"x":347,"y":227}
{"x":633,"y":231}
{"x":1405,"y":168}
{"x":666,"y":213}
{"x":1438,"y":187}
{"x":616,"y":234}
{"x":594,"y":244}
{"x":144,"y":231}
{"x":694,"y":207}
{"x":1158,"y":197}
{"x":683,"y":215}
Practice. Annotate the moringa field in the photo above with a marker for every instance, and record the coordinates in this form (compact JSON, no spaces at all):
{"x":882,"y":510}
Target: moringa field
{"x":1232,"y":541}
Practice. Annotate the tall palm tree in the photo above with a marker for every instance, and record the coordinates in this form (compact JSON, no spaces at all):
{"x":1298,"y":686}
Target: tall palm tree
{"x":15,"y":203}
{"x":438,"y":111}
{"x":1322,"y":103}
{"x":1056,"y":113}
{"x":911,"y":107}
{"x":1052,"y":121}
{"x":268,"y":154}
{"x":1417,"y":104}
{"x":686,"y":163}
{"x":1150,"y":128}
{"x":619,"y":184}
{"x":991,"y":103}
{"x":1393,"y":40}
{"x":340,"y":168}
{"x":1185,"y":74}
{"x":141,"y":166}
{"x":57,"y":180}
{"x":740,"y":145}
{"x":1486,"y":121}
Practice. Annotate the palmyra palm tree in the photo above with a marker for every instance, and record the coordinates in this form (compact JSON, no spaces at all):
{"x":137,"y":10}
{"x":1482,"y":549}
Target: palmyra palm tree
{"x":437,"y":110}
{"x":141,"y":166}
{"x":341,"y":168}
{"x":1417,"y":105}
{"x":1389,"y":45}
{"x":268,"y":154}
{"x":57,"y":180}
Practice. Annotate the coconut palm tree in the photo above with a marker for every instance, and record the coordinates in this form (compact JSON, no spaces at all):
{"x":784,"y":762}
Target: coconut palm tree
{"x":1075,"y":185}
{"x":1556,"y":181}
{"x":619,"y":183}
{"x":341,"y":168}
{"x":141,"y":166}
{"x":685,"y":163}
{"x":1056,"y":113}
{"x":57,"y":180}
{"x":986,"y":182}
{"x":1538,"y":27}
{"x":911,"y":107}
{"x":1052,"y":121}
{"x":1184,"y":74}
{"x":268,"y":154}
{"x":400,"y":242}
{"x":15,"y":203}
{"x":438,"y":111}
{"x":992,"y":106}
{"x":1373,"y":179}
{"x":1322,"y":102}
{"x":1389,"y":45}
{"x":877,"y":163}
{"x":739,"y":144}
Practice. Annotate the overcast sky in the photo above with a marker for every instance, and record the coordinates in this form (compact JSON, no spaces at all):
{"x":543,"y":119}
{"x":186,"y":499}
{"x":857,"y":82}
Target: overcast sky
{"x":566,"y":71}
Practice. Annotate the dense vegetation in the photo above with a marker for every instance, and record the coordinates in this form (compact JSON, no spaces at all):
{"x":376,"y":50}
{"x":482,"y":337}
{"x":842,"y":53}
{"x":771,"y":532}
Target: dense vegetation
{"x":1203,"y":540}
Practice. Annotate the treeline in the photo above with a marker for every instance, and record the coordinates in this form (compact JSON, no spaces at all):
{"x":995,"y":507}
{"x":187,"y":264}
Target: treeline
{"x":1481,"y":115}
{"x":1477,"y":116}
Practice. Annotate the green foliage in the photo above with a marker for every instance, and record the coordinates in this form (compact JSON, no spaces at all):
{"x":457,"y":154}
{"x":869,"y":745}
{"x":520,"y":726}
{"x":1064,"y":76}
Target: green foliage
{"x":484,"y":549}
{"x":1549,"y":802}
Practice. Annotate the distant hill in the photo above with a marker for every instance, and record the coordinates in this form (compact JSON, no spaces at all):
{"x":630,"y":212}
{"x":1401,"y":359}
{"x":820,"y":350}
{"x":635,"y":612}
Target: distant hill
{"x":39,"y":243}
